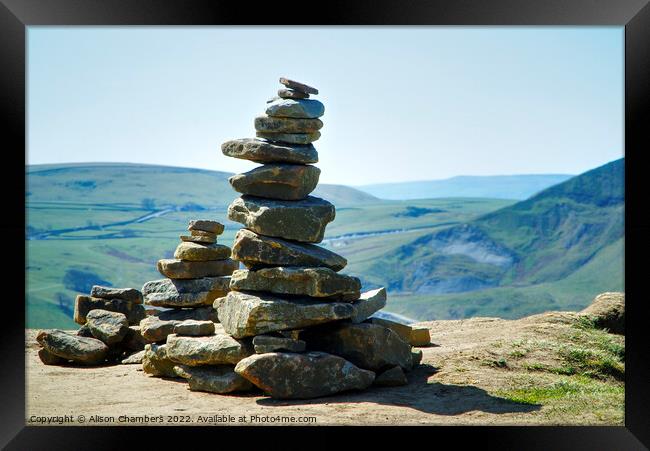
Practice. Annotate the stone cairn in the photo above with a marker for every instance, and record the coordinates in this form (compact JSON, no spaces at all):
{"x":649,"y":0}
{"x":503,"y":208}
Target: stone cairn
{"x":309,"y":325}
{"x":198,"y":274}
{"x":109,"y":331}
{"x":117,"y":328}
{"x":291,"y":324}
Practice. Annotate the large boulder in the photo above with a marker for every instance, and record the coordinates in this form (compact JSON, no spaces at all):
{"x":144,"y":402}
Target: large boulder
{"x":367,"y":304}
{"x":155,"y":330}
{"x":109,"y":327}
{"x":258,"y":251}
{"x":320,"y":283}
{"x":197,"y":252}
{"x":213,"y":379}
{"x":156,"y":362}
{"x":296,"y":108}
{"x":607,"y":311}
{"x":304,"y":220}
{"x":179,"y":293}
{"x":88,"y":351}
{"x":261,"y":151}
{"x":126,"y":294}
{"x":178,"y":269}
{"x":286,"y":125}
{"x":302,"y":376}
{"x":368,"y":346}
{"x":219,"y":349}
{"x":277,"y":181}
{"x":247,"y":314}
{"x":84,"y":304}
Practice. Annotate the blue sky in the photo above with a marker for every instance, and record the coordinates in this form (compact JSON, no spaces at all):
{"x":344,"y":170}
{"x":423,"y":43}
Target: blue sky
{"x":401,"y":103}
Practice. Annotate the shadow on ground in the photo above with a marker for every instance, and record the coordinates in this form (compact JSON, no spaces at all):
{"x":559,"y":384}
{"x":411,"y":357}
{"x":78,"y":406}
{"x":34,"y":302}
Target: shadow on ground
{"x":434,"y":398}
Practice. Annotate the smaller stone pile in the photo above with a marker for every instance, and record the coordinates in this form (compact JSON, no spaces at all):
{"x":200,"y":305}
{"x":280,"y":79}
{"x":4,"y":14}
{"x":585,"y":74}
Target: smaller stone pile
{"x":198,"y":274}
{"x":109,"y":332}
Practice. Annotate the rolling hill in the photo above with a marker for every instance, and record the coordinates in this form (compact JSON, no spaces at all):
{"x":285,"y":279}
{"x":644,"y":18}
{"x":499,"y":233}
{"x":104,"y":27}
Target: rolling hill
{"x":495,"y":186}
{"x":94,"y":223}
{"x":554,"y":250}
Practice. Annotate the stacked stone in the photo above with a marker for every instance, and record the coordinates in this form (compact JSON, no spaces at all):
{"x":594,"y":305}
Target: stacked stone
{"x":198,"y":274}
{"x":108,"y":333}
{"x":308,"y":323}
{"x":184,"y":341}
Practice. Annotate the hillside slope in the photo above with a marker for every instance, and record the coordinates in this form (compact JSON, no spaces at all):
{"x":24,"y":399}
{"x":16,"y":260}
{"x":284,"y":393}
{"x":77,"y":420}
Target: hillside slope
{"x":542,"y":240}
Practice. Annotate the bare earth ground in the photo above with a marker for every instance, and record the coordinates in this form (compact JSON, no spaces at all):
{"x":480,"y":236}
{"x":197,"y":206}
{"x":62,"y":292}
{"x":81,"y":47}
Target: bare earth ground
{"x":547,"y":369}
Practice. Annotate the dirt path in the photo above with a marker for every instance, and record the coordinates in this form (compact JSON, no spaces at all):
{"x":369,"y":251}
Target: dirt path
{"x":456,"y":384}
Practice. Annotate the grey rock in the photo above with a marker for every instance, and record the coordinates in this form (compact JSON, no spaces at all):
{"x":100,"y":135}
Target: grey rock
{"x":289,"y":138}
{"x":303,"y":220}
{"x":213,"y":379}
{"x":302,"y":376}
{"x":302,"y":281}
{"x":368,"y":346}
{"x":392,"y":377}
{"x":88,"y":351}
{"x":179,"y":293}
{"x":296,"y":108}
{"x":368,"y":303}
{"x":247,"y":315}
{"x":206,"y":225}
{"x":194,"y":328}
{"x":291,"y":94}
{"x":133,"y":340}
{"x":133,"y":359}
{"x":178,"y":269}
{"x":268,"y":343}
{"x":277,"y":181}
{"x":156,"y":362}
{"x":84,"y":331}
{"x":258,"y":251}
{"x":109,"y":327}
{"x":84,"y":304}
{"x":197,"y":252}
{"x":201,"y":239}
{"x":413,"y":335}
{"x":50,"y":359}
{"x":206,"y":313}
{"x":416,"y":355}
{"x":297,"y":86}
{"x":155,"y":330}
{"x":261,"y":151}
{"x":126,"y":294}
{"x":220,"y":349}
{"x":287,"y":125}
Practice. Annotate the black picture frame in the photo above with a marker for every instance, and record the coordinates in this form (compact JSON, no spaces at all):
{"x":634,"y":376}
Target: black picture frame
{"x":634,"y":15}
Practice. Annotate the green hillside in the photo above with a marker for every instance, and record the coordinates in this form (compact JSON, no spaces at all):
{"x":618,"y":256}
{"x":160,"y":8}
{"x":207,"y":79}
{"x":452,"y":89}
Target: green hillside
{"x":110,"y":223}
{"x":553,"y":251}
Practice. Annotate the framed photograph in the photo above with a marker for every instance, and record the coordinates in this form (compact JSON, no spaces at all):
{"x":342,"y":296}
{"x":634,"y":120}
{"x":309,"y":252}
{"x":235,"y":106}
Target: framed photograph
{"x":374,"y":214}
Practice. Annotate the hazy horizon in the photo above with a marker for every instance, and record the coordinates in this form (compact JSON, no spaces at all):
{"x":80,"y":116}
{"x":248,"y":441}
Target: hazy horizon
{"x":402,"y":104}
